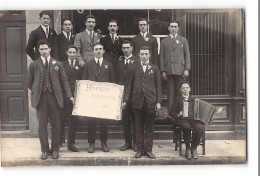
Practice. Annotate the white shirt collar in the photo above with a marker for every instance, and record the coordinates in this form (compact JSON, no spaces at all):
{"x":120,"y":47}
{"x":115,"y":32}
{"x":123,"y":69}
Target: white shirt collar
{"x":44,"y":28}
{"x":100,"y":60}
{"x":115,"y":35}
{"x":65,"y":33}
{"x":172,"y":35}
{"x":145,"y":62}
{"x":74,"y":61}
{"x":89,"y":32}
{"x":143,"y":34}
{"x":48,"y":59}
{"x":186,"y":97}
{"x":128,"y":57}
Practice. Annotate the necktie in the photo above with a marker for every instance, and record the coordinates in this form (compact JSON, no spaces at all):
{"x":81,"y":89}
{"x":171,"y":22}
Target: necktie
{"x":71,"y":64}
{"x":143,"y":36}
{"x":173,"y":37}
{"x":98,"y":65}
{"x":113,"y":38}
{"x":126,"y":63}
{"x":46,"y":64}
{"x":47,"y":32}
{"x":68,"y":35}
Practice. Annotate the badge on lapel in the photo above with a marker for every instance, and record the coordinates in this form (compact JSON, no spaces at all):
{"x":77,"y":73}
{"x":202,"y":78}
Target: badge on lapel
{"x":56,"y":68}
{"x":177,"y":42}
{"x":151,"y":72}
{"x":76,"y":67}
{"x":146,"y":39}
{"x":106,"y":66}
{"x":54,"y":62}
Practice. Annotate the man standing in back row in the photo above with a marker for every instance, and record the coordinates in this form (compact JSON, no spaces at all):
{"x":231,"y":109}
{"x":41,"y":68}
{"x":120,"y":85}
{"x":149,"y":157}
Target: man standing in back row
{"x":174,"y":61}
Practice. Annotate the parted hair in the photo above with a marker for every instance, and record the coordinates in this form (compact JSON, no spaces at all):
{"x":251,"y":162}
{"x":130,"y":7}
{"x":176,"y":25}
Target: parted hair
{"x":45,"y":12}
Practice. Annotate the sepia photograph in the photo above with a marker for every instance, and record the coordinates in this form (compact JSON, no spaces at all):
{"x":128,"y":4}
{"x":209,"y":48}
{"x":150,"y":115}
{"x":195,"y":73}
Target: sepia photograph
{"x":125,"y":87}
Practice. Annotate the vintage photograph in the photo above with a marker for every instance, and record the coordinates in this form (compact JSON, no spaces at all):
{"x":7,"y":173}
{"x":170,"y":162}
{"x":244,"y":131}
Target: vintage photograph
{"x":123,"y":87}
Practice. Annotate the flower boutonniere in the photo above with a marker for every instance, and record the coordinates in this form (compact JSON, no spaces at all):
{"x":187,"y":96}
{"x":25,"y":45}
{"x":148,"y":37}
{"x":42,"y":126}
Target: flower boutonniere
{"x":151,"y":72}
{"x":149,"y":66}
{"x":106,"y":66}
{"x":95,"y":34}
{"x":54,"y":62}
{"x":56,"y":68}
{"x":177,"y":42}
{"x":116,"y":38}
{"x":76,"y":67}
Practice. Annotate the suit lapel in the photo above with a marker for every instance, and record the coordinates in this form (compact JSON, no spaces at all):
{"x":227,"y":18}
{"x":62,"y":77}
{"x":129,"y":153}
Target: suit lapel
{"x":40,"y":65}
{"x":171,"y":42}
{"x":51,"y":65}
{"x":178,"y":38}
{"x":85,"y":33}
{"x":67,"y":67}
{"x":42,"y":33}
{"x":94,"y":67}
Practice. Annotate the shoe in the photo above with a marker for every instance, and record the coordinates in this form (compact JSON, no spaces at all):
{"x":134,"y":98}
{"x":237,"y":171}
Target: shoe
{"x":138,"y":154}
{"x":104,"y":147}
{"x":134,"y":147}
{"x":91,"y":148}
{"x":188,"y":154}
{"x":44,"y":155}
{"x":72,"y":148}
{"x":194,"y":153}
{"x":126,"y":147}
{"x":55,"y":155}
{"x":150,"y":155}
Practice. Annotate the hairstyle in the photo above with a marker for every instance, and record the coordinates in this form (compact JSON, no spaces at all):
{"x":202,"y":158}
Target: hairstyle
{"x":43,"y":42}
{"x":66,"y":19}
{"x":174,"y":21}
{"x":145,"y":48}
{"x":98,"y":44}
{"x":113,"y":20}
{"x":72,"y":46}
{"x":184,"y":82}
{"x":143,"y":19}
{"x":127,"y":42}
{"x":90,"y":16}
{"x":45,"y":12}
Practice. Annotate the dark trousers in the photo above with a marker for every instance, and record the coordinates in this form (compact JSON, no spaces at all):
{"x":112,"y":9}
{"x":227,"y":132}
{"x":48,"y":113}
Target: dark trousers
{"x":144,"y":122}
{"x":67,"y":113}
{"x":173,"y":88}
{"x":48,"y":106}
{"x":92,"y":130}
{"x":196,"y":126}
{"x":129,"y":121}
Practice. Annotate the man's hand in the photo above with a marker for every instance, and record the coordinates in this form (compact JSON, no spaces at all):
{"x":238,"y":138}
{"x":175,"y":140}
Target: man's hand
{"x":185,"y":73}
{"x":124,"y":105}
{"x":164,"y":76}
{"x":81,"y":63}
{"x":72,"y":100}
{"x":158,"y":106}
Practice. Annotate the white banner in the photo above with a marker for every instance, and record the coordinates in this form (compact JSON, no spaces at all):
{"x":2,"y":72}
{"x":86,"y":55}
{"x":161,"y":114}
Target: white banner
{"x":98,"y":99}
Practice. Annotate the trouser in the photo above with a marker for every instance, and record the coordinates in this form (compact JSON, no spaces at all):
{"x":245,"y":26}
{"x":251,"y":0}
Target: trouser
{"x":65,"y":113}
{"x":129,"y":121}
{"x":48,"y":106}
{"x":92,"y":130}
{"x":198,"y":129}
{"x":144,"y":122}
{"x":173,"y":88}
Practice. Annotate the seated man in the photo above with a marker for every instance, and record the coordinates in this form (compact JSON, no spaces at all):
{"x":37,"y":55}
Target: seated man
{"x":186,"y":121}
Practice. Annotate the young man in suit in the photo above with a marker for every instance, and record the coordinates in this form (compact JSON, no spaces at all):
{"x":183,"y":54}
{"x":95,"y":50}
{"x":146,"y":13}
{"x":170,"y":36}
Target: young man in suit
{"x":73,"y":73}
{"x":85,"y":41}
{"x":174,"y":61}
{"x":46,"y":78}
{"x":185,"y":121}
{"x":63,"y":40}
{"x":145,"y":39}
{"x":124,"y":66}
{"x":144,"y":89}
{"x":99,"y":70}
{"x":112,"y":43}
{"x":42,"y":32}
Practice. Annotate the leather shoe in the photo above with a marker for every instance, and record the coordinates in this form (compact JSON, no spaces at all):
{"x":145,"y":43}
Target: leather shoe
{"x":138,"y":154}
{"x":55,"y":155}
{"x":150,"y":155}
{"x":72,"y":148}
{"x":126,"y":147}
{"x":195,"y":153}
{"x":134,"y":147}
{"x":91,"y":148}
{"x":188,"y":154}
{"x":104,"y":147}
{"x":44,"y":155}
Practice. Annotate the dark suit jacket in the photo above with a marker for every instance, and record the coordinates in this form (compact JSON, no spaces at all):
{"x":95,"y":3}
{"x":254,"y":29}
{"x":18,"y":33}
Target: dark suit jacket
{"x":34,"y":37}
{"x":112,"y":50}
{"x":72,"y":74}
{"x":144,"y":85}
{"x":177,"y":106}
{"x":107,"y":73}
{"x":60,"y":46}
{"x":138,"y":41}
{"x":174,"y":56}
{"x":122,"y":75}
{"x":58,"y":77}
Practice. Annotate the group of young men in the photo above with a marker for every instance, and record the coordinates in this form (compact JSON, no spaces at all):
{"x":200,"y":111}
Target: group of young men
{"x":60,"y":60}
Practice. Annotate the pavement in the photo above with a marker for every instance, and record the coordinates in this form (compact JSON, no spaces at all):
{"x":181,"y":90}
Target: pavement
{"x":26,"y":152}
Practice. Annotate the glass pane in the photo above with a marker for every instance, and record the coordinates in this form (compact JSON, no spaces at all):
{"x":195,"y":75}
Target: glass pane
{"x":159,"y":21}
